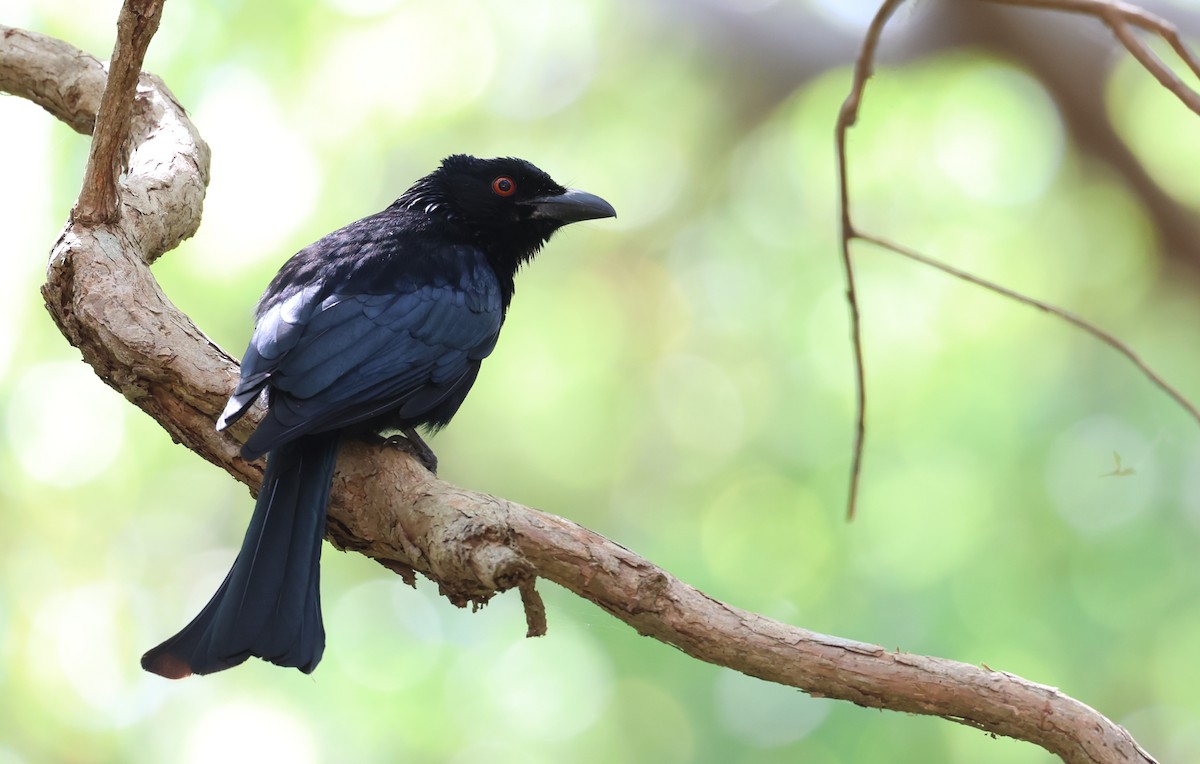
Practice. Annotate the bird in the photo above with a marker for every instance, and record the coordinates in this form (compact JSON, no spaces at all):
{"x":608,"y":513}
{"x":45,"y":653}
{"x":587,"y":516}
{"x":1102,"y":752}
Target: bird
{"x":379,"y":326}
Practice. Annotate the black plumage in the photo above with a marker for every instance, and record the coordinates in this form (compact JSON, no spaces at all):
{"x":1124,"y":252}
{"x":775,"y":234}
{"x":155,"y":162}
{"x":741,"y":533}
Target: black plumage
{"x":380,"y":325}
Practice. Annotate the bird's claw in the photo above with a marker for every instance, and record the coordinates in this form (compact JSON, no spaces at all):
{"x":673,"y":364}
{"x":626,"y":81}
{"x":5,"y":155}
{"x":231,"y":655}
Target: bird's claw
{"x":411,"y":443}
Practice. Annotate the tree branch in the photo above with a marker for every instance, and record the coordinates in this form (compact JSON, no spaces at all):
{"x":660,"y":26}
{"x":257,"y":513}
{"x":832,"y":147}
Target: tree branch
{"x":102,"y":295}
{"x":136,"y":25}
{"x":1119,"y":16}
{"x":1064,"y":315}
{"x":847,"y":116}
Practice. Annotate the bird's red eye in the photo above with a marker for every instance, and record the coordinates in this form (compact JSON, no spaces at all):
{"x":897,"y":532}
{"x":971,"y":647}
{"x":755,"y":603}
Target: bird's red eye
{"x":504,"y":186}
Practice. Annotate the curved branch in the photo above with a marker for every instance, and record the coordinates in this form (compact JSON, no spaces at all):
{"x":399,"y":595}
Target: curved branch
{"x":102,"y":295}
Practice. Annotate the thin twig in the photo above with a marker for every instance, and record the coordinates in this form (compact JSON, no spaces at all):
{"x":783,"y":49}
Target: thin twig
{"x":1153,"y":64}
{"x":1053,"y":310}
{"x":847,"y":116}
{"x":1119,"y":16}
{"x":136,"y":25}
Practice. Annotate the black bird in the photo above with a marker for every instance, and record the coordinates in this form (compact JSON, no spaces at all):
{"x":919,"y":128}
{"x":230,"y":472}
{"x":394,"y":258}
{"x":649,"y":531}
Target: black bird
{"x":378,"y":326}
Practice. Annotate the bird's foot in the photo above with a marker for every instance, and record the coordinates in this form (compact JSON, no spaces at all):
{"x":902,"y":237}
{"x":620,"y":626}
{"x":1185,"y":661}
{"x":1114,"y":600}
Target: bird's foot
{"x":413,"y":445}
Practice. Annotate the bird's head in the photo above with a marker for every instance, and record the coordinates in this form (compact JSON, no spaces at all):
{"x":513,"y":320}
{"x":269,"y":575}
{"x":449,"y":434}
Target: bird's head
{"x":506,"y":201}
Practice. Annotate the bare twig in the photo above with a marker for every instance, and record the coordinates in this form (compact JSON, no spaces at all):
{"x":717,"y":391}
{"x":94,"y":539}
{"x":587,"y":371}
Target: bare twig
{"x":1154,"y":64}
{"x":847,"y":116}
{"x":1119,"y":16}
{"x":1065,"y":315}
{"x":386,"y":506}
{"x":136,"y":25}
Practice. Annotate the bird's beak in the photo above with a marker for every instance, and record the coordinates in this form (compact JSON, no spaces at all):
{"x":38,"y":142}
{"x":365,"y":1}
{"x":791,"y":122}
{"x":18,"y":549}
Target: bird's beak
{"x":571,"y":206}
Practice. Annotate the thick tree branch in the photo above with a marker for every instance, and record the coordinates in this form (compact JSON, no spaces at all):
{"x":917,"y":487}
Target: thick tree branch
{"x":52,"y":74}
{"x":102,"y":295}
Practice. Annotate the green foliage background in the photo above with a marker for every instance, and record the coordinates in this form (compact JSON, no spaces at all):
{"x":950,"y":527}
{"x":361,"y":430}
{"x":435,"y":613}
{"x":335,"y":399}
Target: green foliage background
{"x":688,"y":394}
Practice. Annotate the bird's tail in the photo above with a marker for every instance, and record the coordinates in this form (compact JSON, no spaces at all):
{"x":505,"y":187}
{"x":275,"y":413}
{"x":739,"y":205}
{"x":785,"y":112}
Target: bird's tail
{"x":269,"y":605}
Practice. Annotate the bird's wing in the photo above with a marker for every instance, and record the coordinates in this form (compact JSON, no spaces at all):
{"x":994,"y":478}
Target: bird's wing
{"x":344,"y":358}
{"x":276,"y":333}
